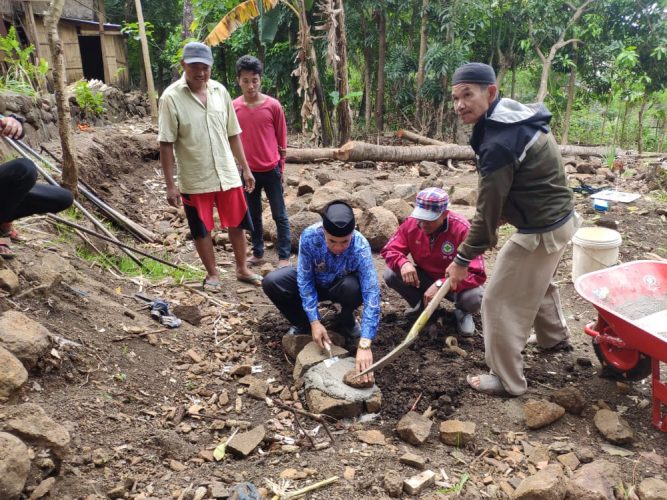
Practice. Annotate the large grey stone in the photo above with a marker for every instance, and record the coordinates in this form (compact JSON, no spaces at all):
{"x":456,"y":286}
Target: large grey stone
{"x":30,"y":422}
{"x":327,"y":393}
{"x":299,"y":222}
{"x":14,"y":466}
{"x":393,"y":483}
{"x":613,"y":427}
{"x":652,"y":488}
{"x":594,"y":481}
{"x":414,"y":428}
{"x":400,"y":208}
{"x":406,"y":192}
{"x":378,"y":225}
{"x":24,"y":338}
{"x":12,"y":374}
{"x":464,"y":196}
{"x":244,"y":443}
{"x":307,"y":185}
{"x":547,"y":484}
{"x":364,"y":199}
{"x":326,"y":194}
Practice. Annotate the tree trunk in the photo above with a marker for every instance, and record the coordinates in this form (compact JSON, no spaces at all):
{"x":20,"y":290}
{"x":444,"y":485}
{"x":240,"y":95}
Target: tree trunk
{"x":70,"y":177}
{"x":513,"y":89}
{"x":368,"y":90}
{"x":382,"y":48}
{"x":150,"y":86}
{"x":342,"y":81}
{"x":544,"y":78}
{"x":640,"y":124}
{"x":360,"y":151}
{"x":571,"y":89}
{"x":624,"y":122}
{"x":188,"y":18}
{"x":423,"y":38}
{"x":441,"y":108}
{"x":418,"y":138}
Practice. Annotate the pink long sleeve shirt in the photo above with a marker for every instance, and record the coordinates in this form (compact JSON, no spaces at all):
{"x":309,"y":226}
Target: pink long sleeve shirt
{"x":264,"y":131}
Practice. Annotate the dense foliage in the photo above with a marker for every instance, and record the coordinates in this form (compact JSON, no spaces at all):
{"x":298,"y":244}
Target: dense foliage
{"x":600,"y":64}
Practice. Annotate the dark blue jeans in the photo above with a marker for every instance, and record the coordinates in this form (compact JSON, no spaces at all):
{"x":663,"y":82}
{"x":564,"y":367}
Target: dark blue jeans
{"x":272,"y":183}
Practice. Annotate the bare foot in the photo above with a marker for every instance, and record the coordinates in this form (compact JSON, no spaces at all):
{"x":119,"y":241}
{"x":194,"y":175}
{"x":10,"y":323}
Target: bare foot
{"x":283,"y":263}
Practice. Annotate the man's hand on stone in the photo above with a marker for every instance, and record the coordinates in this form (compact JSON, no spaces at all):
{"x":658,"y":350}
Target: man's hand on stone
{"x":319,"y":333}
{"x":409,"y":275}
{"x":364,"y":360}
{"x":173,"y":196}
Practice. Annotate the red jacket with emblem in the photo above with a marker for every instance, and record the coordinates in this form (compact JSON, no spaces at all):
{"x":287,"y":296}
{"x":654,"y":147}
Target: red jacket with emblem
{"x":410,"y":239}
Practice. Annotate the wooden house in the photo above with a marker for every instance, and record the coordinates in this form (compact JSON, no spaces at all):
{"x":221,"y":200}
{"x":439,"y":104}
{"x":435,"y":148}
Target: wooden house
{"x":92,"y":49}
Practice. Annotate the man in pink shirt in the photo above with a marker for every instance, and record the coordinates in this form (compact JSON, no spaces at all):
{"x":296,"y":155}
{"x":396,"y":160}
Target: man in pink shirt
{"x":264,"y":140}
{"x":431,"y":236}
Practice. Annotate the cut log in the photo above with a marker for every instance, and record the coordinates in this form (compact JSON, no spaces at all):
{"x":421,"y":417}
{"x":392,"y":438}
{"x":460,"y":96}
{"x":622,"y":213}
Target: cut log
{"x":419,"y":139}
{"x":295,"y":155}
{"x":361,"y":151}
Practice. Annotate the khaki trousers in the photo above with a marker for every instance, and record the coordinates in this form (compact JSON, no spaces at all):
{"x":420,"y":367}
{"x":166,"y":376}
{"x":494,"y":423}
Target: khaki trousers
{"x":521,"y":295}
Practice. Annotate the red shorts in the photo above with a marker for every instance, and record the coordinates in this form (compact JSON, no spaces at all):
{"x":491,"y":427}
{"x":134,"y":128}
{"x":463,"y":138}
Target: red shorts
{"x":231,"y":204}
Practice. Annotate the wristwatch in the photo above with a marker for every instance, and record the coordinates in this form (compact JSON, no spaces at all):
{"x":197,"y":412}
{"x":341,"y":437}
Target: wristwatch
{"x":438,"y":283}
{"x":364,"y":344}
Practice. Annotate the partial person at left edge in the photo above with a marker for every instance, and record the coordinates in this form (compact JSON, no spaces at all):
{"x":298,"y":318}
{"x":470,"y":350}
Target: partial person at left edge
{"x":20,"y":194}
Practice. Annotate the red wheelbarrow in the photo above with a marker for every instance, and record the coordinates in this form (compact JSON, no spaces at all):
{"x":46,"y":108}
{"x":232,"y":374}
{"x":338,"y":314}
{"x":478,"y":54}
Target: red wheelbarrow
{"x":630,"y":335}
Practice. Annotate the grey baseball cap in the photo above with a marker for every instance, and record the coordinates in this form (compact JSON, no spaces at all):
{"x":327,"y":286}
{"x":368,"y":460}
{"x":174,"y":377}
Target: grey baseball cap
{"x":195,"y":52}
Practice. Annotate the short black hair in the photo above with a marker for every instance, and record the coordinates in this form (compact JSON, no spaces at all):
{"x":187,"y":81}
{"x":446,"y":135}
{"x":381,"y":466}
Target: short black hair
{"x":249,"y":63}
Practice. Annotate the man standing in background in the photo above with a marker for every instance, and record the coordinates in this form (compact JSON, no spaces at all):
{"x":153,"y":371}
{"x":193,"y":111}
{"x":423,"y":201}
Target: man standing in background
{"x":198,"y":128}
{"x":264,"y":141}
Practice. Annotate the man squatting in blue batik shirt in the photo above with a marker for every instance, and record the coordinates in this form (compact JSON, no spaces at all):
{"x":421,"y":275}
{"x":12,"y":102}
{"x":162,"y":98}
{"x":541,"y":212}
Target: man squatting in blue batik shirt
{"x":334,"y":263}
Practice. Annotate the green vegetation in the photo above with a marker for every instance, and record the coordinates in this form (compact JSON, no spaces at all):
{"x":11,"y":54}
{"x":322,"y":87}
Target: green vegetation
{"x":457,"y":488}
{"x":91,"y":103}
{"x":19,"y":74}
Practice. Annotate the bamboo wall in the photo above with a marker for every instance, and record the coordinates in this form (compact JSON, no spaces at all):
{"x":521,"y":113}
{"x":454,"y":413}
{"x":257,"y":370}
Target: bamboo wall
{"x":114,"y":43}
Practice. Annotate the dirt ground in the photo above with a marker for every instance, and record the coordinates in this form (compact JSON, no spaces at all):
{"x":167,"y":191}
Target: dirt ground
{"x":146,"y":411}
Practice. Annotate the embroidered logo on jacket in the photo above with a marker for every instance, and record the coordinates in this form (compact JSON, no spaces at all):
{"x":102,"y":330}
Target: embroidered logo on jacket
{"x":447,"y":248}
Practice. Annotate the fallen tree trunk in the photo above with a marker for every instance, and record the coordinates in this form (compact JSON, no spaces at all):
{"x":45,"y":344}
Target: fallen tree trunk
{"x":418,"y":138}
{"x":361,"y":151}
{"x":296,"y":155}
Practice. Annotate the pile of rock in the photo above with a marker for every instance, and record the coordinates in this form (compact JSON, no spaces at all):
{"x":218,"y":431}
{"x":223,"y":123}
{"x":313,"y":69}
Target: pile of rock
{"x":22,"y":343}
{"x":379,"y":209}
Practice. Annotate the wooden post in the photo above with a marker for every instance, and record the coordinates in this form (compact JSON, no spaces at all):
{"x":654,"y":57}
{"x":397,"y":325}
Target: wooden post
{"x":147,"y":62}
{"x":102,"y":18}
{"x":32,"y":28}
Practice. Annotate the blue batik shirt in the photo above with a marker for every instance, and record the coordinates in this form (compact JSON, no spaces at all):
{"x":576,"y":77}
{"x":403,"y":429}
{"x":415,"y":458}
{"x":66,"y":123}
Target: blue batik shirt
{"x":317,"y":265}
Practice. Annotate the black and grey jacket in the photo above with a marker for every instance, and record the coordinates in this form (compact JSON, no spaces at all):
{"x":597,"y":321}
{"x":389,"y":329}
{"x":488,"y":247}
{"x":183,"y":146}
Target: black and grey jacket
{"x":521,"y":176}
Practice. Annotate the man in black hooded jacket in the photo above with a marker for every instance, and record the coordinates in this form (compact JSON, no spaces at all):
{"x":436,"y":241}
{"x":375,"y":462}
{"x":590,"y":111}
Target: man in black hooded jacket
{"x":521,"y":182}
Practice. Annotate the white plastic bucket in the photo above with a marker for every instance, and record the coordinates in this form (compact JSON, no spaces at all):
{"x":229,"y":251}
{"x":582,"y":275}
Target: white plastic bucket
{"x":594,"y":248}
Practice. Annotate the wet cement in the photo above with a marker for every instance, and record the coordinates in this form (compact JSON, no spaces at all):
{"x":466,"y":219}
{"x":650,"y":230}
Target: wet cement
{"x":329,"y":380}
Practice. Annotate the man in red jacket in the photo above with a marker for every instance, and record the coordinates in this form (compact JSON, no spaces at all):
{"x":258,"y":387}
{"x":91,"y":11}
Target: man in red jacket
{"x":431,"y":236}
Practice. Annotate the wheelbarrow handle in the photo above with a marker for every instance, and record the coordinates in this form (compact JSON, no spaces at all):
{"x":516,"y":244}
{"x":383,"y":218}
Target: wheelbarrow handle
{"x":590,"y":329}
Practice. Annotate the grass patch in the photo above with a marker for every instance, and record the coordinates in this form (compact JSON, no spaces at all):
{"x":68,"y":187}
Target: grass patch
{"x":457,"y":488}
{"x":152,"y":269}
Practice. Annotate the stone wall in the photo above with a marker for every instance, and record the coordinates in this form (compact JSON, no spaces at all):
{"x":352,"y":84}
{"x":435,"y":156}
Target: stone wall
{"x":41,"y":114}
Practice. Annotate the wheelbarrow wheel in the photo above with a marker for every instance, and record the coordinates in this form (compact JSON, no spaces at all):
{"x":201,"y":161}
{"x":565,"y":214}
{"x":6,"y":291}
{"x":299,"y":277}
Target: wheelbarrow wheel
{"x":635,"y":365}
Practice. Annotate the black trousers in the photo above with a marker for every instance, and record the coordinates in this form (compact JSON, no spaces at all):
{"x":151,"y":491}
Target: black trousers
{"x":20,"y":195}
{"x":282,"y":288}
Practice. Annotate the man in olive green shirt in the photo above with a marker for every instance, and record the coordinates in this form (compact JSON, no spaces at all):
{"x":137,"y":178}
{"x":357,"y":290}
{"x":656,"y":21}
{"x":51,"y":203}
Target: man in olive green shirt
{"x":199,"y":132}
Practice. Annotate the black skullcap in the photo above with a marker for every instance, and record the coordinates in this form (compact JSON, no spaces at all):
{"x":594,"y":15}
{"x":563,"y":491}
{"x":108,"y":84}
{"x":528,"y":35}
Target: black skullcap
{"x":338,"y":219}
{"x":480,"y":73}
